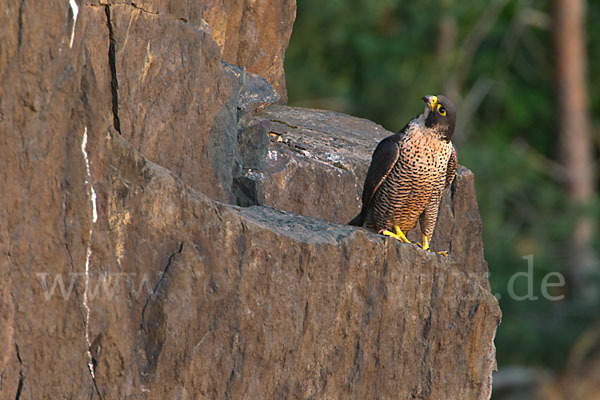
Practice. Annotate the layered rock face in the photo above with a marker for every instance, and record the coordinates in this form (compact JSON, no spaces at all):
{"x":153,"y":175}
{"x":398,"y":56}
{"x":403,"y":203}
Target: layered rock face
{"x":151,"y":242}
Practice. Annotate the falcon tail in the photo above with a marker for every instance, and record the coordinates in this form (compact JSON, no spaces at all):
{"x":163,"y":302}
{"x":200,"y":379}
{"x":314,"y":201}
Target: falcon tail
{"x":356,"y":221}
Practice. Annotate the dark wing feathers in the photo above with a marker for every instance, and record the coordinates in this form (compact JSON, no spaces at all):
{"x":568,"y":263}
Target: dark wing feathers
{"x":452,"y":166}
{"x":385,"y":156}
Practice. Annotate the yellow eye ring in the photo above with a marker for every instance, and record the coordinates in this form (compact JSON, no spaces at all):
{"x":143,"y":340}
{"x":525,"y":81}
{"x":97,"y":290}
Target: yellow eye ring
{"x":441,"y":110}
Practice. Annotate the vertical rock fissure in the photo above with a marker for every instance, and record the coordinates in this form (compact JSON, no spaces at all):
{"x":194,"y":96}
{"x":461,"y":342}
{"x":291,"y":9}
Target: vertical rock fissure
{"x":65,"y":230}
{"x":305,"y":318}
{"x":238,"y":354}
{"x":239,"y":357}
{"x":382,"y":291}
{"x":21,"y":376}
{"x":157,"y":286}
{"x":20,"y":29}
{"x":433,"y":295}
{"x":452,"y":202}
{"x":94,"y":380}
{"x":112,"y":62}
{"x":452,"y":194}
{"x":356,"y":367}
{"x":85,"y":321}
{"x":378,"y":352}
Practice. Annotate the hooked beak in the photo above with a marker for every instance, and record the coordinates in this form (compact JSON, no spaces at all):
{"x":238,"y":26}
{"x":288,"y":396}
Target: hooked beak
{"x":430,"y":101}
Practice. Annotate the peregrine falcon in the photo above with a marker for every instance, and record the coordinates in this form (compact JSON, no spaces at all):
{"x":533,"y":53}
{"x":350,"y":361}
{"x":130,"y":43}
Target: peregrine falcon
{"x":408,"y":172}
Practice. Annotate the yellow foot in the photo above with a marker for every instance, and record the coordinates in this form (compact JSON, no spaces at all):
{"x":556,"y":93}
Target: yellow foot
{"x":398,"y":235}
{"x":425,"y":242}
{"x":425,"y":246}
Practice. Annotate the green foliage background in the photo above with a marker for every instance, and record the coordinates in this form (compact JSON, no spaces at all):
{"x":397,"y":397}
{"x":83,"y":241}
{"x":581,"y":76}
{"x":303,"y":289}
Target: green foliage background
{"x":376,"y":59}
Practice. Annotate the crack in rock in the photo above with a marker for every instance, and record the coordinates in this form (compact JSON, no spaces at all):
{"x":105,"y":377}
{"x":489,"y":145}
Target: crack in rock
{"x":21,"y":376}
{"x":152,"y":333}
{"x":20,"y":29}
{"x":156,"y":287}
{"x":145,"y":10}
{"x":112,"y":62}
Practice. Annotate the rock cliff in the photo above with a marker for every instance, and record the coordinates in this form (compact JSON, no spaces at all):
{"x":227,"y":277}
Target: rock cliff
{"x":167,"y":230}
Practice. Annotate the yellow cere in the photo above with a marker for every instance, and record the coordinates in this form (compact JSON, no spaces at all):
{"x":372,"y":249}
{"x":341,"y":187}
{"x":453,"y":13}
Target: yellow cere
{"x":432,"y":101}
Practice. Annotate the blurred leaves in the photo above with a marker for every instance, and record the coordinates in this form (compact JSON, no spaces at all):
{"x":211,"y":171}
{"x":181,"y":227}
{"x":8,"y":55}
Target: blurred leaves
{"x":495,"y":59}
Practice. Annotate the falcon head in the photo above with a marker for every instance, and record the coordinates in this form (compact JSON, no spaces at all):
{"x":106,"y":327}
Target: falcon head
{"x":440,"y":115}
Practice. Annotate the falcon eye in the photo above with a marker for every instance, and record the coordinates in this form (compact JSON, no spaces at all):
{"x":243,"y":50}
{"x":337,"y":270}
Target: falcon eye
{"x":441,"y":110}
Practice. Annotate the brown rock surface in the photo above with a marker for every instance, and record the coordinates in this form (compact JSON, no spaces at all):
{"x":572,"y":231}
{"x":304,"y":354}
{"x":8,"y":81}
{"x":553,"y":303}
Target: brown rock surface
{"x":253,"y":34}
{"x":171,"y":80}
{"x":124,"y":278}
{"x":314,"y":161}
